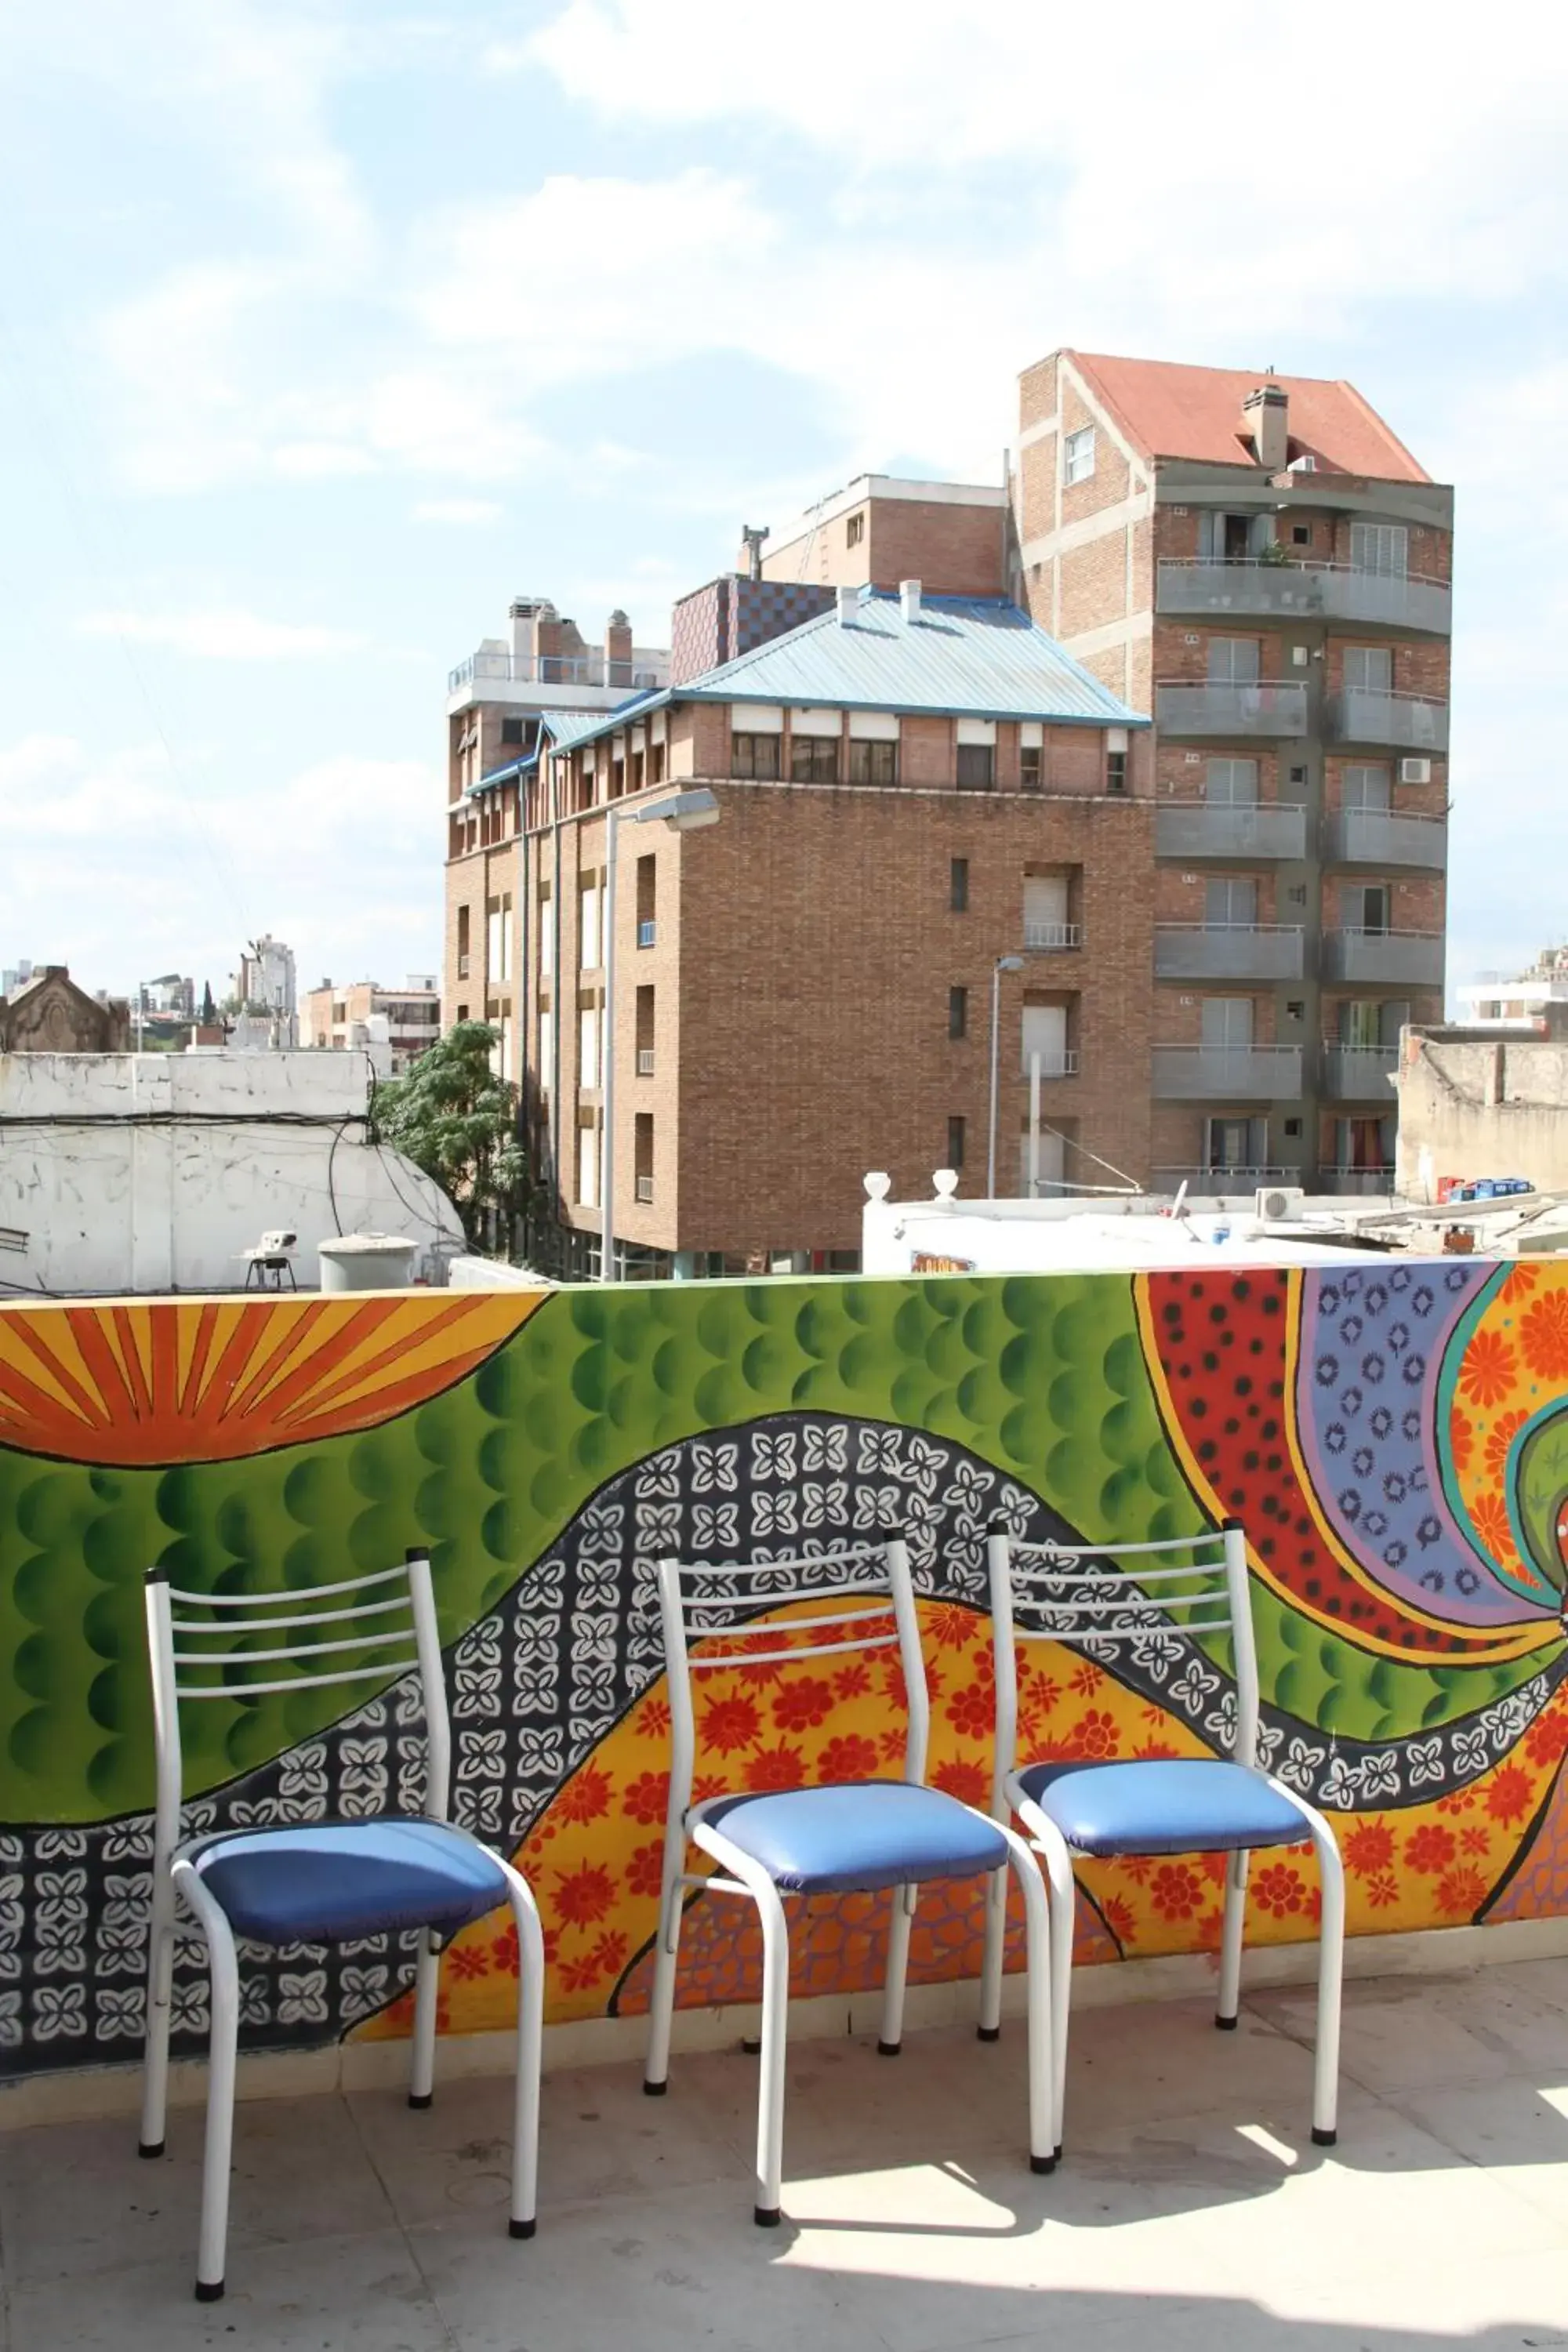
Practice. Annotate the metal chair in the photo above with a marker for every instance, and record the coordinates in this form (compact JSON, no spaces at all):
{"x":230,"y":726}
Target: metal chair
{"x":323,"y":1882}
{"x":1147,"y":1807}
{"x":835,"y":1838}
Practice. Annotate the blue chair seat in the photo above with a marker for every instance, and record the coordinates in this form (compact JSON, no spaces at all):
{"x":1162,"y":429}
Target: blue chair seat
{"x":1183,"y":1805}
{"x":854,"y":1837}
{"x":327,"y":1882}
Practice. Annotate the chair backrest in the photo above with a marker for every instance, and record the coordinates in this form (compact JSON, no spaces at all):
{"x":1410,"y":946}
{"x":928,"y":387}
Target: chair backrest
{"x":234,"y":1646}
{"x":728,"y":1604}
{"x":1078,"y":1593}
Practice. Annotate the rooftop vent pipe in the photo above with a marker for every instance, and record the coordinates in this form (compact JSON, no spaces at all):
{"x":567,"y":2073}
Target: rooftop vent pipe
{"x":848,"y":605}
{"x":909,"y":598}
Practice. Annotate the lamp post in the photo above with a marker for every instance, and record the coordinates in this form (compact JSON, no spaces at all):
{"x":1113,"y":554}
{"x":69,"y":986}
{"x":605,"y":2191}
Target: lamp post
{"x":164,"y":980}
{"x":1002,"y":964}
{"x":684,"y":813}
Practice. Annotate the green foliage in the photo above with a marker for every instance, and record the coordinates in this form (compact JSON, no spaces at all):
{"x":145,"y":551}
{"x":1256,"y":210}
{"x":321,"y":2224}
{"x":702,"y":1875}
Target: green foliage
{"x":458,"y":1122}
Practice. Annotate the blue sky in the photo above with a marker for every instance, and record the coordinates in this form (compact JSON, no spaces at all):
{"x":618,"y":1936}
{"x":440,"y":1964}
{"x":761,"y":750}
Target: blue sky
{"x":332,"y":325}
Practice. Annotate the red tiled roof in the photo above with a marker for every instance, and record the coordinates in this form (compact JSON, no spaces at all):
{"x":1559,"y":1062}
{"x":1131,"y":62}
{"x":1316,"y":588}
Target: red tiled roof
{"x":1170,"y":411}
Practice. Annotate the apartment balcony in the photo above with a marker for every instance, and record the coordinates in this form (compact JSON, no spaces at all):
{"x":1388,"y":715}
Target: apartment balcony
{"x":1332,"y":592}
{"x":1052,"y":938}
{"x":500,"y":669}
{"x":1400,"y":722}
{"x":1377,"y":837}
{"x":1227,"y":1072}
{"x":1265,"y":712}
{"x":1359,"y":1073}
{"x":1063,"y":1064}
{"x":1229,"y":952}
{"x":1367,"y":1182}
{"x":1204,"y":829}
{"x":1233,"y":1183}
{"x":1385,"y":959}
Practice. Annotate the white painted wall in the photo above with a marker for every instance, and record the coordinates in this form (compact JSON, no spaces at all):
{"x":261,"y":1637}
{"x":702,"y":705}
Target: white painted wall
{"x":148,"y":1172}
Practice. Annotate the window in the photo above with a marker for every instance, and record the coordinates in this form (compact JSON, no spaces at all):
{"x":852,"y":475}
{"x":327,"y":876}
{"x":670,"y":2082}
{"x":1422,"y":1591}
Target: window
{"x":1292,"y":1126}
{"x":588,"y":1167}
{"x":588,"y":1045}
{"x":854,"y":531}
{"x":812,"y":759}
{"x":655,"y":764}
{"x":1383,"y":547}
{"x":976,"y":767}
{"x":647,"y":928}
{"x":754,"y":757}
{"x":1298,"y":775}
{"x":1078,"y":455}
{"x":463,"y":950}
{"x":955,"y":1143}
{"x":645,"y":1032}
{"x":1230,"y":903}
{"x":546,"y":1052}
{"x":1369,"y":669}
{"x":462,"y":1011}
{"x":958,"y":886}
{"x":1116,"y":771}
{"x":1301,"y":534}
{"x":1233,"y":661}
{"x":511,"y":731}
{"x":642,"y":1157}
{"x":1366,"y":788}
{"x":1031,"y":760}
{"x":546,"y":933}
{"x":1231,"y":783}
{"x":958,"y":1012}
{"x":1367,"y":908}
{"x":873,"y":763}
{"x":588,"y":928}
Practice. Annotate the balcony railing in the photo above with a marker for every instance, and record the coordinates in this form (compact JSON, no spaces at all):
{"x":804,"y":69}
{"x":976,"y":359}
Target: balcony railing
{"x":1378,"y":837}
{"x":1206,"y":707}
{"x":1209,"y":1183}
{"x":1388,"y":959}
{"x":1364,"y":1180}
{"x":1404,"y":723}
{"x":590,"y":667}
{"x":1227,"y":1072}
{"x":1333,"y":592}
{"x":1046,"y":939}
{"x":1061,"y":1065}
{"x":1228,"y":951}
{"x":645,"y":1190}
{"x":1222,"y":829}
{"x":1359,"y":1073}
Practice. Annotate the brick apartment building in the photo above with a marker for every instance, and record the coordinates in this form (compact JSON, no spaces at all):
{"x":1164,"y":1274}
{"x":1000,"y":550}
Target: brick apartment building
{"x":497,"y":701}
{"x":1259,"y":562}
{"x":337,"y":1018}
{"x":908,"y":788}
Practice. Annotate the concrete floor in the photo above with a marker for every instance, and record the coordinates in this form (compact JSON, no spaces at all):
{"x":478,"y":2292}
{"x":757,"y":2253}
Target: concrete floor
{"x":1190,"y":2212}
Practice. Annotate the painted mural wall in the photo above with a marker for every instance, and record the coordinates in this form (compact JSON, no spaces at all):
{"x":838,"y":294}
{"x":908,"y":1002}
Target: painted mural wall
{"x":1396,"y":1439}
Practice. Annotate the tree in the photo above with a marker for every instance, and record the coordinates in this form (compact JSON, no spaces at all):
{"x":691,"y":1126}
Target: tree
{"x":454,"y":1118}
{"x":209,"y":1010}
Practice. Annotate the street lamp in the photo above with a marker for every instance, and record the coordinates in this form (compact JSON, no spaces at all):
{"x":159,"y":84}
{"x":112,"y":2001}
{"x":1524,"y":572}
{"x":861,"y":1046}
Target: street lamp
{"x":164,"y":980}
{"x":1002,"y":964}
{"x":684,"y":813}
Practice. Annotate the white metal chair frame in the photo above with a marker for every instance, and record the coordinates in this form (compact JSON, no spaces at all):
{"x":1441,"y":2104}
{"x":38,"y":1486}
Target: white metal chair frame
{"x":405,"y":1625}
{"x":1200,"y":1595}
{"x":741,"y":1595}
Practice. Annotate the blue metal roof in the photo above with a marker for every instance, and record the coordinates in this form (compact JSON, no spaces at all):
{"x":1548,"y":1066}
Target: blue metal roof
{"x":973,"y":657}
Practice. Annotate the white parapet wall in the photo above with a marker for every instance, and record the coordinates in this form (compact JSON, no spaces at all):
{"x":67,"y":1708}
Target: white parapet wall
{"x":130,"y":1173}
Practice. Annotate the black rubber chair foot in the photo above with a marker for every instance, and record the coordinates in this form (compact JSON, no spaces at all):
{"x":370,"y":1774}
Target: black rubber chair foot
{"x":753,"y":2049}
{"x":766,"y":2217}
{"x":1042,"y":2163}
{"x":888,"y":2049}
{"x":522,"y":2229}
{"x":208,"y":2292}
{"x":988,"y":2033}
{"x":654,"y":2090}
{"x":419,"y":2099}
{"x":1225,"y":2024}
{"x":1058,"y":2151}
{"x":1324,"y":2138}
{"x":151,"y":2146}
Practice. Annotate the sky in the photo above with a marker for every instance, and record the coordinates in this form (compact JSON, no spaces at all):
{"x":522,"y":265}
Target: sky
{"x":327,"y":327}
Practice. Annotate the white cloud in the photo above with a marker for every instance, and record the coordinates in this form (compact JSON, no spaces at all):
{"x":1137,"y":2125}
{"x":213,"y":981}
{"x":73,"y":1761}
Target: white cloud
{"x":466,"y":512}
{"x":221,"y":635}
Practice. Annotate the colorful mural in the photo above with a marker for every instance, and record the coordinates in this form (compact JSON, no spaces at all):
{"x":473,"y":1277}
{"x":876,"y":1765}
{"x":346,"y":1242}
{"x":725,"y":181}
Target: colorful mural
{"x":1395,"y":1437}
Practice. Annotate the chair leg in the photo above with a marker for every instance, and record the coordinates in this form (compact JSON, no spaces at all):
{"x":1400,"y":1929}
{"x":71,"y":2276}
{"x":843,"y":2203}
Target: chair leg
{"x":427,"y":1993}
{"x":1052,"y":1850}
{"x":661,"y":1999}
{"x":160,"y":1984}
{"x":990,"y":2026}
{"x":530,"y":2056}
{"x":891,"y":2039}
{"x":1330,"y":1979}
{"x":221,"y":2055}
{"x":1037,"y":1942}
{"x":1231,"y":1935}
{"x":775,"y":2023}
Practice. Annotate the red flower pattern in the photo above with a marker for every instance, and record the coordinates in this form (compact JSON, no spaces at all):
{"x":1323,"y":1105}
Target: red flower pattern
{"x":849,"y":1758}
{"x":1097,"y":1735}
{"x":1429,"y":1849}
{"x":1369,"y":1848}
{"x":647,"y":1797}
{"x":1490,"y":1371}
{"x":731,"y":1724}
{"x":1177,"y":1892}
{"x":1461,"y":1893}
{"x":1278,"y":1890}
{"x":1544,"y":1336}
{"x":801,"y":1702}
{"x":1508,"y":1794}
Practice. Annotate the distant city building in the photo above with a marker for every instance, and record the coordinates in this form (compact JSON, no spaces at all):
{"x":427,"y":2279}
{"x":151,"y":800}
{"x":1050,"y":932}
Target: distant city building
{"x":264,"y":981}
{"x":15,"y":975}
{"x":364,"y":1014}
{"x":50,"y":1014}
{"x":164,"y":999}
{"x":1525,"y":998}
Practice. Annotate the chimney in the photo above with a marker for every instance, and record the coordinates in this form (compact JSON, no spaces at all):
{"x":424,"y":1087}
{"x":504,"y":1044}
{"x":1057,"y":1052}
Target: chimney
{"x":848,"y":607}
{"x":909,"y":598}
{"x":751,"y":538}
{"x":1265,"y":414}
{"x":617,"y":649}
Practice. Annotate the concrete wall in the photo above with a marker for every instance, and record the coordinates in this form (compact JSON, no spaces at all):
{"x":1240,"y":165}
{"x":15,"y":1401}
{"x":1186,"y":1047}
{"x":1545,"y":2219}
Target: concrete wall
{"x":127,"y":1172}
{"x":1478,"y":1106}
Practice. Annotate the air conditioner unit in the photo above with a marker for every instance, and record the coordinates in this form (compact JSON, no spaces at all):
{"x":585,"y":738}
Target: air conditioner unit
{"x":1278,"y":1203}
{"x":1415,"y":772}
